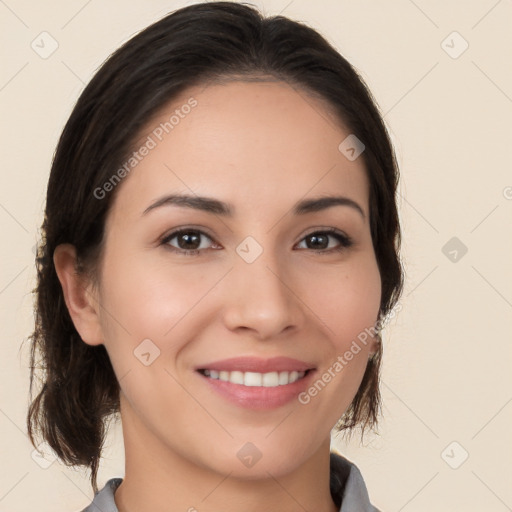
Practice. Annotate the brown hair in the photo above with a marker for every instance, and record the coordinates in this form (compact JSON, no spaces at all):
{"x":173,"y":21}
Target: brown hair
{"x":191,"y":46}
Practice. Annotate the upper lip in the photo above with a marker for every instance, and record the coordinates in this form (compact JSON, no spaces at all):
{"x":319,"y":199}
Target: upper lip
{"x":258,"y":365}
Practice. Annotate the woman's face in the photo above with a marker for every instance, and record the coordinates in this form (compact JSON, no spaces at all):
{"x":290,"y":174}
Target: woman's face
{"x":265,"y":293}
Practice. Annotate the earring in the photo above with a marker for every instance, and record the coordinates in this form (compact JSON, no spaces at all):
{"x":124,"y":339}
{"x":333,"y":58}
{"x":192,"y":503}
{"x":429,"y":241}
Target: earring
{"x":378,"y":339}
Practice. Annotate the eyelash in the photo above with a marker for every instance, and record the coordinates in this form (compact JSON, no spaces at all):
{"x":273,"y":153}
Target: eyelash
{"x":344,"y":240}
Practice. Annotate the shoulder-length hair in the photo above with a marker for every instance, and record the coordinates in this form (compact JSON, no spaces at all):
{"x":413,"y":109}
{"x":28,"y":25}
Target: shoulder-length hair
{"x":215,"y":41}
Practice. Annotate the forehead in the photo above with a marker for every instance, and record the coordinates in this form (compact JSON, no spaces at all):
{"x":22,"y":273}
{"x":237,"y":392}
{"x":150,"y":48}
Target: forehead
{"x":252,"y":144}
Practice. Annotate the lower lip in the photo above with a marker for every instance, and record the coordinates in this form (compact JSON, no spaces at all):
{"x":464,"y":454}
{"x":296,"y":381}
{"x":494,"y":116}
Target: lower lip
{"x":259,"y":397}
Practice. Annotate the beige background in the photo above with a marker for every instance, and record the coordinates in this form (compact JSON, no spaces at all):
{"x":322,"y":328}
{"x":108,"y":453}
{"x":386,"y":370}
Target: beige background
{"x":448,"y":353}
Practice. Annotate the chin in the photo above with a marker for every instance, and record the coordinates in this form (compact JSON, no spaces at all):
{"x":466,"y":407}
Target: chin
{"x":248,"y":460}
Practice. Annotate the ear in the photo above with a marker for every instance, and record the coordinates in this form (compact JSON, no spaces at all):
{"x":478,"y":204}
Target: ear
{"x":79,"y":294}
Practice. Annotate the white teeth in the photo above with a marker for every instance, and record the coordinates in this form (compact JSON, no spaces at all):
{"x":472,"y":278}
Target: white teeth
{"x":271,"y":380}
{"x":250,"y":379}
{"x":283,"y":378}
{"x":237,"y":377}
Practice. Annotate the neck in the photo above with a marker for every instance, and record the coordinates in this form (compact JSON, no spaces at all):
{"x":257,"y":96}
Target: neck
{"x":157,"y":478}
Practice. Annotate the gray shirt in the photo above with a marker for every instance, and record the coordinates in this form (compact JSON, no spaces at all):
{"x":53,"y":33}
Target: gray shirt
{"x":347,"y":489}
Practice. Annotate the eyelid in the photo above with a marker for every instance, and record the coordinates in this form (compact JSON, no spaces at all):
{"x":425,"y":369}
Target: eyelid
{"x":344,"y":240}
{"x":173,"y":233}
{"x":205,"y":231}
{"x":325,"y":229}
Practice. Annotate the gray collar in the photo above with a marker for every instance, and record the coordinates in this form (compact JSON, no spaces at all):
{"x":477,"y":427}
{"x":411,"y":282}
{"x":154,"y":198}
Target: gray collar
{"x":347,"y":489}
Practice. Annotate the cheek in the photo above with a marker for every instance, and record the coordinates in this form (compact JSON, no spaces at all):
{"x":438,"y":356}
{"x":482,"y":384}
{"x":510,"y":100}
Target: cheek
{"x":347,"y":300}
{"x":146,"y":314}
{"x":348,"y":306}
{"x":147,"y":299}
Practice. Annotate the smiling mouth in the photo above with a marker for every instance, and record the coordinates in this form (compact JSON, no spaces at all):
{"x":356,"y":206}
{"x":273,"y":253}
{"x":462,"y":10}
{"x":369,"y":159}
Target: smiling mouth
{"x":254,"y":379}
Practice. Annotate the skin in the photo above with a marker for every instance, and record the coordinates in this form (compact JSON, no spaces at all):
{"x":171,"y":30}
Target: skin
{"x":260,"y":147}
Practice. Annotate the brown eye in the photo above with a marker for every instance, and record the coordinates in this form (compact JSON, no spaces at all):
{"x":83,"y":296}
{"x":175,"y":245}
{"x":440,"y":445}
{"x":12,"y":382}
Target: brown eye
{"x":187,"y":241}
{"x":321,"y":241}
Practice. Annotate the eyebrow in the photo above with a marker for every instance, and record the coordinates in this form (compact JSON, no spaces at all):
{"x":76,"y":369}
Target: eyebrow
{"x":210,"y":205}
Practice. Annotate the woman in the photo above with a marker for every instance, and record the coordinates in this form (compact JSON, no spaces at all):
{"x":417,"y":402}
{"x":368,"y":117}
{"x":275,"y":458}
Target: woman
{"x":220,"y":247}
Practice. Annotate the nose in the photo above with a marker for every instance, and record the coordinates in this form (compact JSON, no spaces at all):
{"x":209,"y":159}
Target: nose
{"x":259,"y":297}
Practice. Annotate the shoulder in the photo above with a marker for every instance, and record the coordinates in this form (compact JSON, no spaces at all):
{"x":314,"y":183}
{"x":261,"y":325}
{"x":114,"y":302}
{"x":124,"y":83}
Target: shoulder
{"x":348,"y":487}
{"x":104,"y":499}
